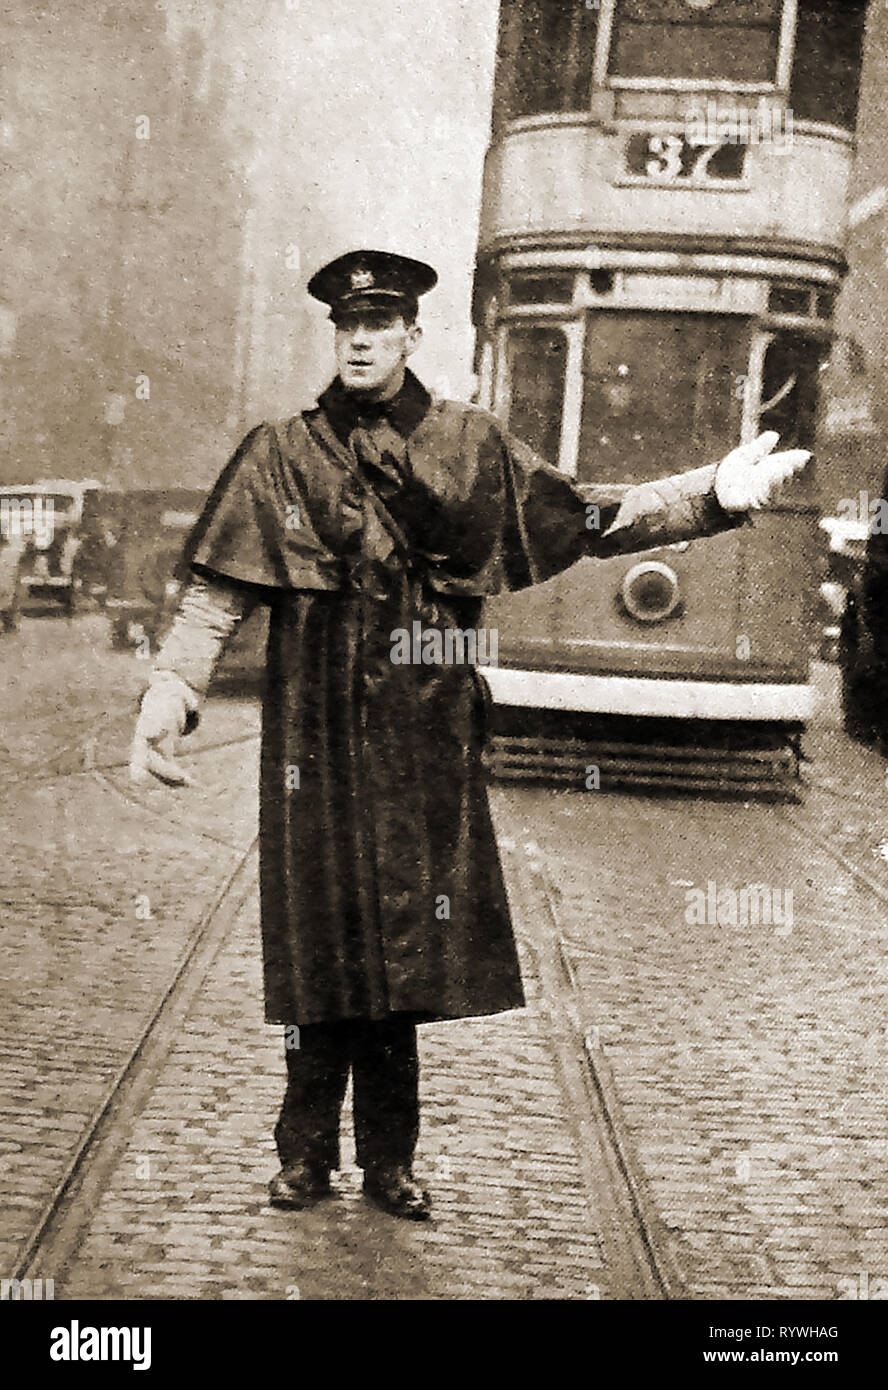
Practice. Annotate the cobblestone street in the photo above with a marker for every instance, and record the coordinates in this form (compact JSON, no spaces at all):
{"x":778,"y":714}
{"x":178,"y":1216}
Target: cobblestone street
{"x":742,"y":1066}
{"x":185,"y":1215}
{"x":747,"y":1061}
{"x":102,"y":892}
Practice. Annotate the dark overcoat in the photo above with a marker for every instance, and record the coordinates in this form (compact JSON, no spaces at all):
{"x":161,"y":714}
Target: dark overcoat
{"x":381,"y":886}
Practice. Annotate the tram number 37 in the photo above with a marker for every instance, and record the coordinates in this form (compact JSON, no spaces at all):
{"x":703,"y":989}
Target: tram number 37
{"x":675,"y":158}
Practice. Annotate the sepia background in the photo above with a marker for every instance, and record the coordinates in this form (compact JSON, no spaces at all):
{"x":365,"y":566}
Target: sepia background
{"x":175,"y":171}
{"x":689,"y":1107}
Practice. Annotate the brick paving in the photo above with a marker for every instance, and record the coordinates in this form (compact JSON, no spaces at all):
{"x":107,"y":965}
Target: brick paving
{"x":184,"y":1211}
{"x":846,"y":785}
{"x":748,"y":1063}
{"x":102,"y":890}
{"x":184,"y":1214}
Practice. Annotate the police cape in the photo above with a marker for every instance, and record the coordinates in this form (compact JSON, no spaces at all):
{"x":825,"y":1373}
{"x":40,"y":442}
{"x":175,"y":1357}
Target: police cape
{"x":381,"y":886}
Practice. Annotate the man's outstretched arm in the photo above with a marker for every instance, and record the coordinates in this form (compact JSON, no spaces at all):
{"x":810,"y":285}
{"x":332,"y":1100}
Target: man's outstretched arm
{"x":703,"y":501}
{"x":556,"y":522}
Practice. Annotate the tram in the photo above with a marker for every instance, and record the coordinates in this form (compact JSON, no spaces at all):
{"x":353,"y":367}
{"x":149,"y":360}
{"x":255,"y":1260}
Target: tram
{"x":660,"y":252}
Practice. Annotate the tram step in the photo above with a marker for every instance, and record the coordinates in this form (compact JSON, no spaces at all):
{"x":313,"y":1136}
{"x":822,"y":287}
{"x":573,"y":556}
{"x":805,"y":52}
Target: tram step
{"x":752,"y":772}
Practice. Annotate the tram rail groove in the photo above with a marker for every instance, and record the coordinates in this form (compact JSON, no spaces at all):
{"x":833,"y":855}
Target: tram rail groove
{"x":602,"y":1089}
{"x":58,"y":1230}
{"x":638,"y":1251}
{"x":808,"y":832}
{"x":663,"y":1247}
{"x":114,"y":723}
{"x":634,"y":1246}
{"x":128,"y":797}
{"x":57,"y":774}
{"x":634,"y":1271}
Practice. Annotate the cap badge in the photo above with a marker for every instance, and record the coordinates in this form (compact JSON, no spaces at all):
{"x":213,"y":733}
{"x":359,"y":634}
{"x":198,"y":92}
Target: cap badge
{"x":362,"y":279}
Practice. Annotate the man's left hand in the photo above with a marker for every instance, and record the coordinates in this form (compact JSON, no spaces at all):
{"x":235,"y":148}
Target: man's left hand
{"x":748,"y":476}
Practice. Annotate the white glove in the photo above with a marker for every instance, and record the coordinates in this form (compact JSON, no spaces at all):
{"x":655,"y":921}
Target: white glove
{"x":163,"y":715}
{"x":748,"y":475}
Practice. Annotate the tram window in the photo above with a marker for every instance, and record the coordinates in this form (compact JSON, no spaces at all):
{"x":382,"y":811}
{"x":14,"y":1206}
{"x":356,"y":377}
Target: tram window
{"x":541,"y":289}
{"x":602,"y":281}
{"x":786,"y":299}
{"x":734,"y":40}
{"x":662,"y":392}
{"x":790,"y":379}
{"x":825,"y":81}
{"x":538,"y":358}
{"x":545,"y":57}
{"x":826,"y":303}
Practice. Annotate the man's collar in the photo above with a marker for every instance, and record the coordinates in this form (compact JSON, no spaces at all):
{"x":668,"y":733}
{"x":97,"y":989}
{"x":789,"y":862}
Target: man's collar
{"x":403,"y":411}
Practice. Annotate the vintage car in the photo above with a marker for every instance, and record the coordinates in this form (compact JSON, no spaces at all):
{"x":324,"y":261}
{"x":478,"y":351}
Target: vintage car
{"x":857,"y":590}
{"x":43,"y":521}
{"x":132,"y":558}
{"x":132,"y":547}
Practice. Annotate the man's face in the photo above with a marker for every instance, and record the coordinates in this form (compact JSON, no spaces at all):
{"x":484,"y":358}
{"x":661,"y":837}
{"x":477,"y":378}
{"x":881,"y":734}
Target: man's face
{"x":372,"y":347}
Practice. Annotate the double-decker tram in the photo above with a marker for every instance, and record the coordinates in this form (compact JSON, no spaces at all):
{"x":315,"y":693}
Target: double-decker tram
{"x":660,"y":252}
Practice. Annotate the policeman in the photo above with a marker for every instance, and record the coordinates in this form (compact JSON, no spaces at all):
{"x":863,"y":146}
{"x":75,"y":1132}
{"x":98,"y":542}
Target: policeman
{"x":382,"y":897}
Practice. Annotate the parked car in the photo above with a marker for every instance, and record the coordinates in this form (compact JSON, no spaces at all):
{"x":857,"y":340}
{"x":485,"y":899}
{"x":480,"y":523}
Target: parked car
{"x":859,"y":575}
{"x":45,"y":518}
{"x":132,"y":556}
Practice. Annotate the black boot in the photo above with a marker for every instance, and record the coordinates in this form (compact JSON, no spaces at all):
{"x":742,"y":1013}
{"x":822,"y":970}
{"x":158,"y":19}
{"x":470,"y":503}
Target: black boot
{"x":299,"y":1185}
{"x":395,"y":1190}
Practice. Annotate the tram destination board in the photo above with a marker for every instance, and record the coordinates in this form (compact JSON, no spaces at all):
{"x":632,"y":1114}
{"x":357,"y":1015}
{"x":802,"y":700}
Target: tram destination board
{"x":683,"y":158}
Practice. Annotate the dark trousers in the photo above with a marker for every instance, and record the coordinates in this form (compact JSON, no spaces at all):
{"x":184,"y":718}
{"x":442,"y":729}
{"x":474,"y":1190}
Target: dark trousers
{"x":385,"y":1075}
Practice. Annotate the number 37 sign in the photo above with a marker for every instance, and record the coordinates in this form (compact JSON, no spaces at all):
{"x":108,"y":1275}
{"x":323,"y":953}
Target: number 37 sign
{"x":675,"y":158}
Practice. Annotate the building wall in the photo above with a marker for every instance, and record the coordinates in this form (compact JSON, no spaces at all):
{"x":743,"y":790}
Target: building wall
{"x":281,"y":133}
{"x":118,"y":353}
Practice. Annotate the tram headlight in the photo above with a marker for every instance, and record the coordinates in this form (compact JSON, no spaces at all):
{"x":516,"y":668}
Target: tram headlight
{"x":650,"y":591}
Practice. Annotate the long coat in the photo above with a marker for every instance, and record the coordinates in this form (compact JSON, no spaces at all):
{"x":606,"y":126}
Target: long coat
{"x":381,"y":886}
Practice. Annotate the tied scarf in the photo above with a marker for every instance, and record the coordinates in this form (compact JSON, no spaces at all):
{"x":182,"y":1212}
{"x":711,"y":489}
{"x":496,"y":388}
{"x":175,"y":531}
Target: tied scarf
{"x":389,"y":559}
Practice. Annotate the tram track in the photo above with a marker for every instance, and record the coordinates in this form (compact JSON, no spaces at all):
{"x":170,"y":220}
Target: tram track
{"x":141,"y":799}
{"x":639,"y":1252}
{"x":645,"y":1040}
{"x":637,"y":1262}
{"x":84,"y":751}
{"x":54,"y":1236}
{"x":636,"y":1251}
{"x":164,"y":1003}
{"x":806,"y":833}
